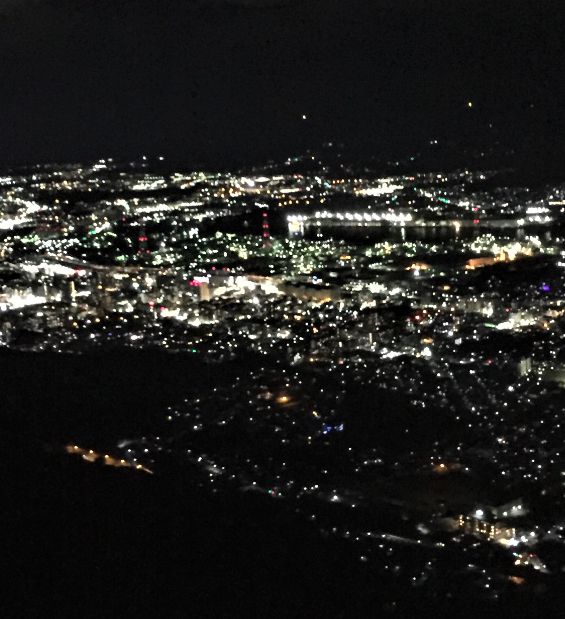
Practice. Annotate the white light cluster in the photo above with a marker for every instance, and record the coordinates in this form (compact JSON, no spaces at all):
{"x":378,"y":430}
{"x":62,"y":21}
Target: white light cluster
{"x":390,"y":216}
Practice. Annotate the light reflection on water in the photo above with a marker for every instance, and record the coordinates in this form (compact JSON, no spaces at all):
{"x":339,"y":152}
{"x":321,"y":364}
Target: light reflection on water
{"x":423,"y":234}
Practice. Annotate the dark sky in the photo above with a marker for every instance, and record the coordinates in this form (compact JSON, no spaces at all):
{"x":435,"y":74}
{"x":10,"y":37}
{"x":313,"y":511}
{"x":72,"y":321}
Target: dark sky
{"x":229,"y":80}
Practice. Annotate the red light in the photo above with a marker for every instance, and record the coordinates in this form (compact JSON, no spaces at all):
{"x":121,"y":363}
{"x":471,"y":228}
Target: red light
{"x":476,"y":221}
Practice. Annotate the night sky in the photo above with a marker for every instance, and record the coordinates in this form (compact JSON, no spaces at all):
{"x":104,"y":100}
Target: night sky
{"x":223,"y":81}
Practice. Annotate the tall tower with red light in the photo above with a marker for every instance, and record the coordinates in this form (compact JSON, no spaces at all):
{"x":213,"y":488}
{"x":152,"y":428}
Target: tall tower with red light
{"x":142,"y":239}
{"x":265,"y":230}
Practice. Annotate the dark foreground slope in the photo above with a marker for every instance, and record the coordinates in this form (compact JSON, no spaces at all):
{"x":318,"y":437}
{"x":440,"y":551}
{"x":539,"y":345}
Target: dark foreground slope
{"x":106,"y":542}
{"x":81,"y":540}
{"x":98,"y":397}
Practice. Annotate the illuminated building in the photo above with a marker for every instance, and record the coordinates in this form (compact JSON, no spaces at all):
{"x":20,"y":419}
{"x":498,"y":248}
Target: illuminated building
{"x":68,"y":294}
{"x":204,"y":291}
{"x":525,"y":366}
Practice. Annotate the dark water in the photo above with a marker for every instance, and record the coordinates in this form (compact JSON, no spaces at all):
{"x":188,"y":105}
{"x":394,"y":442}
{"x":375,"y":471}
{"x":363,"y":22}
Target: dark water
{"x":440,"y":234}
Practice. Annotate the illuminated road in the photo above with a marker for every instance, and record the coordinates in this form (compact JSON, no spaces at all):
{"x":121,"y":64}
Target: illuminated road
{"x":91,"y":456}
